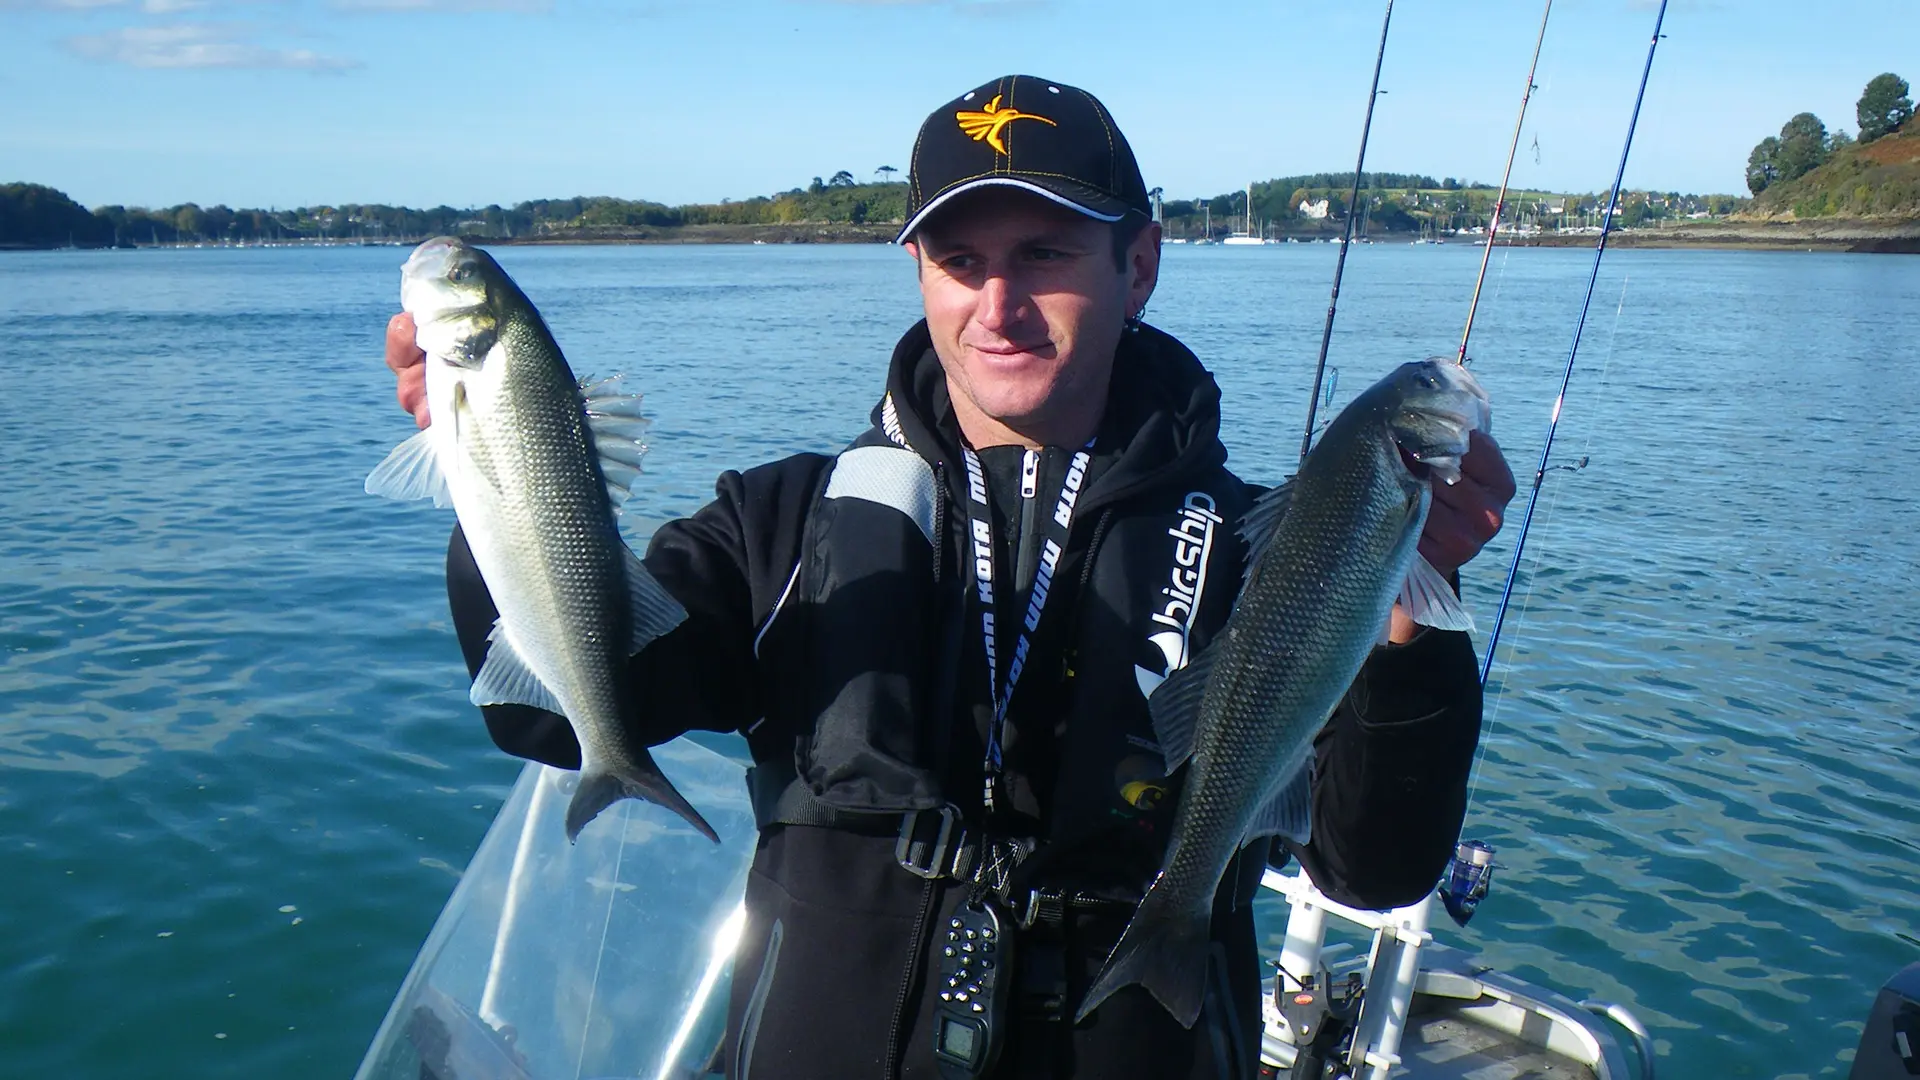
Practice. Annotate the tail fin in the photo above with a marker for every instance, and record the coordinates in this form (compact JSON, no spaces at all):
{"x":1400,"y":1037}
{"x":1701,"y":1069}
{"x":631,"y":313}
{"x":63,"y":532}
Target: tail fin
{"x":1166,"y":952}
{"x":600,"y":789}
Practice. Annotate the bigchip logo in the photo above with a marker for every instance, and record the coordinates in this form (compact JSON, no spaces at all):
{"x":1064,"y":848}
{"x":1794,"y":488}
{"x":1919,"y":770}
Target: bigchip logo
{"x":985,"y":125}
{"x":1186,"y":584}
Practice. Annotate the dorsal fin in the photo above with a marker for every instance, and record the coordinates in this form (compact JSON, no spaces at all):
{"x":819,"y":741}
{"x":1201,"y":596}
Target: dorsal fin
{"x":652,"y":611}
{"x":619,"y":432}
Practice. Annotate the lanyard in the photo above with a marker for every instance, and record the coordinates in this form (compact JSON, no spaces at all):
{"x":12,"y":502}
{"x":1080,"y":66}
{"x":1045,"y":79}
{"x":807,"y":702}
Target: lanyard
{"x":980,"y":522}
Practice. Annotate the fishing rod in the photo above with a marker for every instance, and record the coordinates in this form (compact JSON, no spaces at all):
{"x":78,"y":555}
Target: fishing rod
{"x":1500,"y":202}
{"x":1346,"y":240}
{"x":1566,"y":378}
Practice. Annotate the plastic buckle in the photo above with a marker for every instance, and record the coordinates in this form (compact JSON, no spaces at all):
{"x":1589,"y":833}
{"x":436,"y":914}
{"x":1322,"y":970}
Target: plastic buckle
{"x":1044,"y":907}
{"x":915,"y":854}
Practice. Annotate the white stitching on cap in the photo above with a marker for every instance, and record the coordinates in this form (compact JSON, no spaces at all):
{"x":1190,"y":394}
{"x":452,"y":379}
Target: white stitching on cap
{"x":989,"y":180}
{"x":1113,"y":159}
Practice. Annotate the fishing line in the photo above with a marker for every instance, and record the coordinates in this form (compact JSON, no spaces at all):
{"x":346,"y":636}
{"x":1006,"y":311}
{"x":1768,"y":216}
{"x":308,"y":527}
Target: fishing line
{"x":1500,"y":201}
{"x":1346,"y":239}
{"x":606,"y":924}
{"x":1566,"y":378}
{"x":1553,"y":506}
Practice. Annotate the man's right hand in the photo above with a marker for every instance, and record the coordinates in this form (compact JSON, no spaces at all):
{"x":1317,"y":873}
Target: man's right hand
{"x":409,"y":366}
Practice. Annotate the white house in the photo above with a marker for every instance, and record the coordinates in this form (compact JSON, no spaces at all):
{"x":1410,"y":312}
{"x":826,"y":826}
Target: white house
{"x":1314,"y":209}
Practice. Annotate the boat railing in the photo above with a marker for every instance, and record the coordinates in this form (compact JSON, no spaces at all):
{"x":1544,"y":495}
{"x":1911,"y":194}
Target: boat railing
{"x":1405,"y":963}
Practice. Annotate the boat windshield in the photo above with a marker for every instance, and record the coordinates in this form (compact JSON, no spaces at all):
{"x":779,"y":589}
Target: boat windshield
{"x":609,"y":957}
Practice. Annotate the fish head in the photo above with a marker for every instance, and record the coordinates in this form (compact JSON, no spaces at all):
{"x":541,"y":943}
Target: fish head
{"x":1437,"y":404}
{"x":451,"y":289}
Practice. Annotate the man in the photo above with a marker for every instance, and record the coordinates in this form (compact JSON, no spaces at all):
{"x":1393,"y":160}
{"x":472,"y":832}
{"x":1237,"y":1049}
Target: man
{"x":938,"y":643}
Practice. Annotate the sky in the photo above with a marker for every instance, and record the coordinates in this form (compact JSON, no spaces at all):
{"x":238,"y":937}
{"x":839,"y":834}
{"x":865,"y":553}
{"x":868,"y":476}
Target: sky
{"x":278,"y":103}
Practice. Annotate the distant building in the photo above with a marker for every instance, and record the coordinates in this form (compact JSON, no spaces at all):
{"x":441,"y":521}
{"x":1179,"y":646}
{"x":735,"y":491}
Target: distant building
{"x":1315,"y":209}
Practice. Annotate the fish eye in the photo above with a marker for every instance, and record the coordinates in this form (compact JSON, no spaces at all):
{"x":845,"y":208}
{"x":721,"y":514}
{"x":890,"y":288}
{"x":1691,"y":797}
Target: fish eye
{"x":460,"y":274}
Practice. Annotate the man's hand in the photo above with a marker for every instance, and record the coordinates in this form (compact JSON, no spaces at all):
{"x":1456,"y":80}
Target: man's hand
{"x":1463,"y":517}
{"x":409,"y":366}
{"x":1467,"y":514}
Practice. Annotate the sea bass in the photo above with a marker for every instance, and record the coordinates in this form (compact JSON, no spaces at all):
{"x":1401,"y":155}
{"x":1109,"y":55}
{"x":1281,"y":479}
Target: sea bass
{"x":1328,"y":553}
{"x":536,"y":467}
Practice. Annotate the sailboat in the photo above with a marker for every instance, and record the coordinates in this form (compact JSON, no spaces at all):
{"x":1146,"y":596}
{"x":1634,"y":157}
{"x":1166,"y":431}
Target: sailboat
{"x":1206,"y":233}
{"x":1248,"y":236}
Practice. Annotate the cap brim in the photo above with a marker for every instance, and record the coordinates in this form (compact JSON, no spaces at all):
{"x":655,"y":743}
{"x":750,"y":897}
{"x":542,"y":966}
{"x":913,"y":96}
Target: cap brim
{"x":1077,"y":197}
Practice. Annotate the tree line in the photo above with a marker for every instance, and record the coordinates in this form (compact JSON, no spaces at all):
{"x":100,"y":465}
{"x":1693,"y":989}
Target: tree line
{"x":37,"y":216}
{"x":1804,"y":143}
{"x":1403,"y":202}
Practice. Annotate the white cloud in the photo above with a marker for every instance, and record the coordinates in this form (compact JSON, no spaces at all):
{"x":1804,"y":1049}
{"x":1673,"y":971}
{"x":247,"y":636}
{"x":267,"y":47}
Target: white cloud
{"x":197,"y":45}
{"x":968,"y":6}
{"x":58,"y":5}
{"x":151,"y":7}
{"x":530,"y":6}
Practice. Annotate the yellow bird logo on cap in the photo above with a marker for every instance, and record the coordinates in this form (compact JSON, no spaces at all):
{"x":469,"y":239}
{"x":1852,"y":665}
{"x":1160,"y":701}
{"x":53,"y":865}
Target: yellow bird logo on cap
{"x":985,"y":125}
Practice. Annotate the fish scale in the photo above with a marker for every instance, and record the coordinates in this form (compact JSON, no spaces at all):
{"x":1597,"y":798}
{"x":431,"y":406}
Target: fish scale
{"x":1328,"y":553}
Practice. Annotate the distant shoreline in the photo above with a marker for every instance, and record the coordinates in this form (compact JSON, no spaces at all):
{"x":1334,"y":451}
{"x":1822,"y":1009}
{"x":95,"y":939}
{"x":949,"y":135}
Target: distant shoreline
{"x":1900,"y":236}
{"x":1861,"y":235}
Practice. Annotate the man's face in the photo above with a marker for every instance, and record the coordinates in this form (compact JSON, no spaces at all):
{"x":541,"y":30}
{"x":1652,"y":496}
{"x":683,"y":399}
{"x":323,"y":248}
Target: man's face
{"x":1026,"y":307}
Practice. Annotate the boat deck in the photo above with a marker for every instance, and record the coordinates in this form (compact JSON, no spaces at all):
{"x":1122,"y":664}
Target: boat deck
{"x":1443,"y":1045}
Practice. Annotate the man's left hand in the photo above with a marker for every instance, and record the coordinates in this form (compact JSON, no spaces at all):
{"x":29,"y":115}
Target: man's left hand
{"x":1467,"y":514}
{"x":1463,"y":517}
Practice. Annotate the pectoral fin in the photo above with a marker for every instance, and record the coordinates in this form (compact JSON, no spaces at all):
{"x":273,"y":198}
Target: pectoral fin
{"x":411,"y":471}
{"x":1428,"y":599}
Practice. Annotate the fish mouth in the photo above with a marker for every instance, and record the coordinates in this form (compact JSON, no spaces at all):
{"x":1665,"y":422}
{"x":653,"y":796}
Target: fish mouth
{"x":435,"y":251}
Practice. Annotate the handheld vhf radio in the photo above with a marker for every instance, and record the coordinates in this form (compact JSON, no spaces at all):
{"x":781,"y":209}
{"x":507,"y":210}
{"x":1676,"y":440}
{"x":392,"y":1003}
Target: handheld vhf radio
{"x":975,"y":967}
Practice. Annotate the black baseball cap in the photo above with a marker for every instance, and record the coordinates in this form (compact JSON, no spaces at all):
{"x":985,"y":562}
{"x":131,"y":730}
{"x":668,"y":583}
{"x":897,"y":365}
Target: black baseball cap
{"x":1049,"y":138}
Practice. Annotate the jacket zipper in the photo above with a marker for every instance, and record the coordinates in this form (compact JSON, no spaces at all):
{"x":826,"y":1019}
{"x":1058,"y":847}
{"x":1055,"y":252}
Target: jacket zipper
{"x":1028,"y":562}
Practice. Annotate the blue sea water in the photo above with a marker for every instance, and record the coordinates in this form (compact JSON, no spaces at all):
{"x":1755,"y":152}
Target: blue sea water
{"x":238,"y":776}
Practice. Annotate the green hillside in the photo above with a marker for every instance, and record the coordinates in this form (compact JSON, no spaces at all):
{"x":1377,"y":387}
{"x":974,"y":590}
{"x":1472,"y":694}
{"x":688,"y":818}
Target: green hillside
{"x":1880,"y":178}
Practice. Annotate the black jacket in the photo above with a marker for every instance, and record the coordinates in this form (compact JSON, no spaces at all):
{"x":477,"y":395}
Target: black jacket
{"x":841,"y":635}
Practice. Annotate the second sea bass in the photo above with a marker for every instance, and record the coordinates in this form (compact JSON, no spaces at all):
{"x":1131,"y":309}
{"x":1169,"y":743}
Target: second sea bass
{"x":536,"y":467}
{"x":1328,"y":554}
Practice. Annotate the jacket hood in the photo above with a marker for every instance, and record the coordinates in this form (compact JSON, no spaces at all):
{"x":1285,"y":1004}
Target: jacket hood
{"x":1162,"y":419}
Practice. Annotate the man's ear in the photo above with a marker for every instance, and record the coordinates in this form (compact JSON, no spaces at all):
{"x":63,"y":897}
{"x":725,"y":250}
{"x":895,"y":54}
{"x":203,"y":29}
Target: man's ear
{"x":1143,"y":267}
